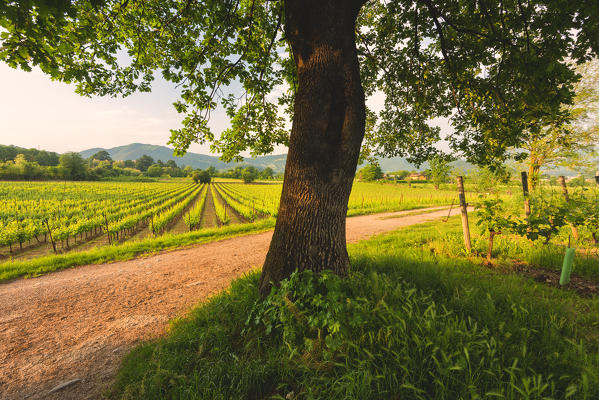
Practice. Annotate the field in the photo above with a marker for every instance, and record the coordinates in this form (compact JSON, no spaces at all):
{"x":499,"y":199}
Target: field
{"x":55,"y":223}
{"x":418,"y":317}
{"x":38,"y":219}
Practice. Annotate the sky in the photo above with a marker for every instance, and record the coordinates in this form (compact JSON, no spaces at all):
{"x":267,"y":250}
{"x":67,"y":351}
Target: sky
{"x":40,"y":113}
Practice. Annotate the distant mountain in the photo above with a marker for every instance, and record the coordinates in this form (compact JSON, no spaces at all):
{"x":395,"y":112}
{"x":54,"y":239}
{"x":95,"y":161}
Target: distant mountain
{"x":134,"y":151}
{"x":398,"y":163}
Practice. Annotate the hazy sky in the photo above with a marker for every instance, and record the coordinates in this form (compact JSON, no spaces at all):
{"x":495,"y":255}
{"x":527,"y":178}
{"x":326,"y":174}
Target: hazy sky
{"x":37,"y":112}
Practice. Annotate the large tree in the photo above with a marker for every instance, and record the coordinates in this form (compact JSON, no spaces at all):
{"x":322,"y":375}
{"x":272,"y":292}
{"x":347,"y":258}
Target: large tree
{"x":144,"y":162}
{"x":371,"y":172}
{"x":102,"y":155}
{"x":572,"y":145}
{"x":497,"y":68}
{"x":73,"y":166}
{"x":439,"y":170}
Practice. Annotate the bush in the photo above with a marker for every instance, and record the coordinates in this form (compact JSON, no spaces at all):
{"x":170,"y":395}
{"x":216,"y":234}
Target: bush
{"x":371,"y":172}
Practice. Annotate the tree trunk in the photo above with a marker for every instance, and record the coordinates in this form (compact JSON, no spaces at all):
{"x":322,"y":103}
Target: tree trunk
{"x":533,"y":175}
{"x":464,"y":210}
{"x":327,"y":132}
{"x":526,"y":194}
{"x":491,"y":240}
{"x":562,"y":182}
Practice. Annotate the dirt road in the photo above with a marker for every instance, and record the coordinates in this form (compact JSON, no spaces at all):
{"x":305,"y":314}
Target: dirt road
{"x":76,"y":324}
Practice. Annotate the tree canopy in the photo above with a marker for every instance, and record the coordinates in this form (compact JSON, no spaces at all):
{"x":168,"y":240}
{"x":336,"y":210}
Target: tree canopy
{"x":73,"y":165}
{"x":371,"y":172}
{"x":495,"y":67}
{"x":154,"y":170}
{"x":575,"y":144}
{"x":439,"y":170}
{"x":102,"y":155}
{"x":204,"y":176}
{"x":144,"y":162}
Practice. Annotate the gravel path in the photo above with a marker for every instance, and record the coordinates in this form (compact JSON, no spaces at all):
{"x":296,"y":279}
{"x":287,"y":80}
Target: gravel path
{"x":73,"y":326}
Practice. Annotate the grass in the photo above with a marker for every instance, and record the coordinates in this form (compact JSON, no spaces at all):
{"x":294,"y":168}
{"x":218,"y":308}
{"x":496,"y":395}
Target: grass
{"x":510,"y":247}
{"x":550,"y":256}
{"x":407,"y":323}
{"x":126,"y":251}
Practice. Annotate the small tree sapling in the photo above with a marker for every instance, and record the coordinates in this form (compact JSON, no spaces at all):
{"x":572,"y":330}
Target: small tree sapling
{"x":492,"y":219}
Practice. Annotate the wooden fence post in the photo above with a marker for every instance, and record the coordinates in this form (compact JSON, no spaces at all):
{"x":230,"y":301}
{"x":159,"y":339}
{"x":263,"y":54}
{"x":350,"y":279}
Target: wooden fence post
{"x":49,"y":233}
{"x":107,"y":232}
{"x":597,"y":178}
{"x":526,"y":193}
{"x":464,"y":207}
{"x":562,"y":182}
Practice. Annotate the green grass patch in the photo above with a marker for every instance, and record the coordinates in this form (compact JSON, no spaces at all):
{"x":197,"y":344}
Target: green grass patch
{"x":128,"y":250}
{"x":511,"y":247}
{"x":388,"y":209}
{"x":409,"y":323}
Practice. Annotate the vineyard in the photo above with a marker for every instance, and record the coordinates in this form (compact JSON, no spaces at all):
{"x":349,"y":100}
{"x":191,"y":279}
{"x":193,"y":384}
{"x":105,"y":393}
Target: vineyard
{"x":44,"y":218}
{"x":423,"y":275}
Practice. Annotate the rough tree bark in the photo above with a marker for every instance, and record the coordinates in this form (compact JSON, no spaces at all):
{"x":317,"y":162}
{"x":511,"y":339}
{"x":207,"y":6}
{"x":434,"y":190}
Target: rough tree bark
{"x":326,"y":135}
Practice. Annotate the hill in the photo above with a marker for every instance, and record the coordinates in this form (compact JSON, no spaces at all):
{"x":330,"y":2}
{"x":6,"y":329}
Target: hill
{"x":134,"y":151}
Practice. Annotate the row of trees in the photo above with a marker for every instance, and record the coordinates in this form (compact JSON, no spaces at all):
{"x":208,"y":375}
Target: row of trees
{"x":40,"y":165}
{"x":249,"y":173}
{"x":69,"y":166}
{"x":103,"y":166}
{"x":31,"y":164}
{"x":441,"y":171}
{"x":42,"y":157}
{"x":438,"y":172}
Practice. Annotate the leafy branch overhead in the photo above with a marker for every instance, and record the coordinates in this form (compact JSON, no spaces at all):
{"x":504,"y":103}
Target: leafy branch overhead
{"x":497,"y":68}
{"x":573,"y":145}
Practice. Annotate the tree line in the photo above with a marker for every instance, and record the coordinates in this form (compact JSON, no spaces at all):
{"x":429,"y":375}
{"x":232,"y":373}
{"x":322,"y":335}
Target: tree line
{"x":440,"y":171}
{"x":18,"y":163}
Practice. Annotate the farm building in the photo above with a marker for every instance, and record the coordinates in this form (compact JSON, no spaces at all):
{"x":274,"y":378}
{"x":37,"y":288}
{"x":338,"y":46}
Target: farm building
{"x":416,"y":176}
